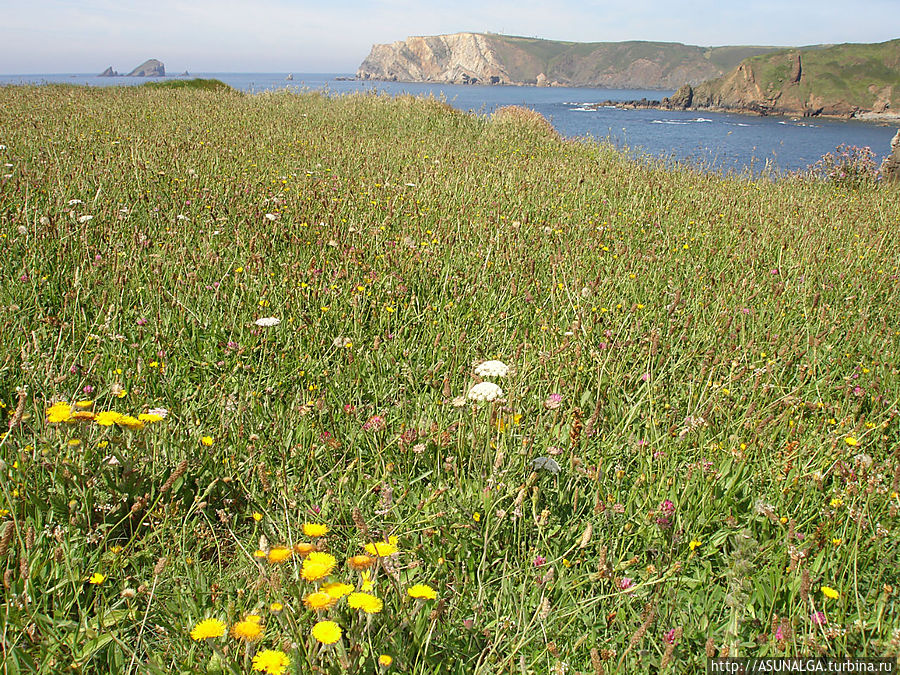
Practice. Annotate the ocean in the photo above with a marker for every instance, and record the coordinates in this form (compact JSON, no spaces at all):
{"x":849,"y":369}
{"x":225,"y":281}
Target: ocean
{"x":720,"y":142}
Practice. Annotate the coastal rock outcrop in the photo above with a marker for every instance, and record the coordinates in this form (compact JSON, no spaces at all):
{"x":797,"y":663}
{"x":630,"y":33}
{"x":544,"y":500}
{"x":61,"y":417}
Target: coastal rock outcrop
{"x":109,"y":72}
{"x":149,"y":68}
{"x":890,"y":167}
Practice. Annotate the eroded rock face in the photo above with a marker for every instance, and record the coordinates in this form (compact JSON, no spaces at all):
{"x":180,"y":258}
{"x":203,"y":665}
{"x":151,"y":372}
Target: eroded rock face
{"x":149,"y":68}
{"x":462,"y":58}
{"x":890,"y":168}
{"x":109,"y":72}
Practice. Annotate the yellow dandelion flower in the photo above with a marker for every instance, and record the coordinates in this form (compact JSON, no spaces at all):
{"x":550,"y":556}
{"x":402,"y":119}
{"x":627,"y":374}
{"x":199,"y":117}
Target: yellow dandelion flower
{"x":257,"y":516}
{"x":130,"y":422}
{"x":695,"y":544}
{"x":207,"y":441}
{"x":259,"y":553}
{"x":381,"y":549}
{"x":247,"y":630}
{"x":59,"y":412}
{"x":317,"y":565}
{"x":150,"y":417}
{"x":315,"y":529}
{"x":278,"y":554}
{"x":304,"y":548}
{"x":829,"y":592}
{"x":276,"y":607}
{"x":97,"y":578}
{"x":84,"y":405}
{"x":107,"y":418}
{"x":319,"y":601}
{"x":385,"y":660}
{"x":851,"y":441}
{"x":360,"y":562}
{"x":421,"y":592}
{"x":208,"y":628}
{"x":271,"y":661}
{"x":327,"y":632}
{"x":366,"y":602}
{"x":82,"y":416}
{"x":337,"y":590}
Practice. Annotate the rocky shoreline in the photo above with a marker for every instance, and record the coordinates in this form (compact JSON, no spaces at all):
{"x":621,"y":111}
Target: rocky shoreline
{"x":882,"y":118}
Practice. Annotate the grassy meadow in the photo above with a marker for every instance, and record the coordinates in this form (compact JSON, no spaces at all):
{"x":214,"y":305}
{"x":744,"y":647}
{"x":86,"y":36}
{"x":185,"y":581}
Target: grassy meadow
{"x":242,"y":342}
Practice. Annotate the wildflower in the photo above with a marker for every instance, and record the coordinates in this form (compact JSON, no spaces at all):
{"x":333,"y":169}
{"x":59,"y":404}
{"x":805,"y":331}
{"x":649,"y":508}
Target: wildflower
{"x":130,"y":422}
{"x":366,"y":602}
{"x":304,"y":548}
{"x":276,"y":607}
{"x":374,"y":423}
{"x":327,"y":632}
{"x":337,"y":590}
{"x":836,"y":502}
{"x":818,"y":618}
{"x":248,"y":630}
{"x":669,"y":636}
{"x":271,"y":661}
{"x":361,"y":562}
{"x":319,"y":601}
{"x":695,"y":544}
{"x":385,"y":661}
{"x":149,"y":417}
{"x":84,"y":405}
{"x":317,"y":565}
{"x":382,"y":549}
{"x":268,"y":322}
{"x":476,"y":516}
{"x":207,"y":441}
{"x":315,"y":529}
{"x":553,"y":401}
{"x":538,"y":561}
{"x":158,"y":412}
{"x":208,"y":628}
{"x":492,"y":369}
{"x":97,"y":578}
{"x":259,"y":554}
{"x":421,"y":592}
{"x":367,"y":583}
{"x":851,"y":441}
{"x":625,"y":583}
{"x":59,"y":412}
{"x":257,"y":516}
{"x":485,"y":391}
{"x":829,"y":592}
{"x":278,"y":554}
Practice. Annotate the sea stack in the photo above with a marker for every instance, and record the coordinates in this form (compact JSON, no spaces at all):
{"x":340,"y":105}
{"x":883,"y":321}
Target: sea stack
{"x":149,"y":68}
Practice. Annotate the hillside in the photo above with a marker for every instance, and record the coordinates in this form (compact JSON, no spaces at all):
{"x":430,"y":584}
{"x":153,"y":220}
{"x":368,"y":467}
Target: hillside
{"x":485,"y":58}
{"x":840,"y":81}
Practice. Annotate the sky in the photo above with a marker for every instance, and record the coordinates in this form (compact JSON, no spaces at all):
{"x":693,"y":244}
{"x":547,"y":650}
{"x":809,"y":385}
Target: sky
{"x":334,"y":36}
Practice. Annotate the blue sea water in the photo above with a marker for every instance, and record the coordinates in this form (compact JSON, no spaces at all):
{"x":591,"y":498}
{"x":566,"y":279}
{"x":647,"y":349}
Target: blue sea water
{"x":717,"y":141}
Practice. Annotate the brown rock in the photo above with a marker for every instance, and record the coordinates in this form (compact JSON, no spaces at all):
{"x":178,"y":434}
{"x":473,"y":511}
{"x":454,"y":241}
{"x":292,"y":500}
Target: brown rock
{"x":890,"y":167}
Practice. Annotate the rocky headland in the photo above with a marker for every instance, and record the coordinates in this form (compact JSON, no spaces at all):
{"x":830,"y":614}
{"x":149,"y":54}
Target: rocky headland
{"x":487,"y":58}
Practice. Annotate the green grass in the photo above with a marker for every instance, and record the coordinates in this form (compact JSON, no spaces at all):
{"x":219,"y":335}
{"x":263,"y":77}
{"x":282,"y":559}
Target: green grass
{"x":672,"y":335}
{"x":199,"y":83}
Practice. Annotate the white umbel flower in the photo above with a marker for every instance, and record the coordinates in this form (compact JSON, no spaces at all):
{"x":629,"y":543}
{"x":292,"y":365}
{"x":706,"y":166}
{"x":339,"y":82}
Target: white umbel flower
{"x":268,"y":322}
{"x":485,"y":391}
{"x":492,"y":369}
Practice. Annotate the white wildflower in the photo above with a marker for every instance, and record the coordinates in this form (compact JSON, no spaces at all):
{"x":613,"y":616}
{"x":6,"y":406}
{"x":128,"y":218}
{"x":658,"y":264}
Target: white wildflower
{"x":162,"y":412}
{"x":271,"y":216}
{"x":73,"y":202}
{"x":268,"y":322}
{"x":84,"y":219}
{"x":485,"y":391}
{"x":492,"y":369}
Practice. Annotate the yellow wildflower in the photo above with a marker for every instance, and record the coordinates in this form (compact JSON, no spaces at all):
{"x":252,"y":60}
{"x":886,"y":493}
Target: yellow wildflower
{"x":248,"y":630}
{"x":829,"y":592}
{"x":315,"y":529}
{"x":366,"y":602}
{"x":271,"y":661}
{"x":59,"y":412}
{"x":278,"y":554}
{"x":319,"y":601}
{"x":327,"y":632}
{"x":421,"y":592}
{"x":208,"y":628}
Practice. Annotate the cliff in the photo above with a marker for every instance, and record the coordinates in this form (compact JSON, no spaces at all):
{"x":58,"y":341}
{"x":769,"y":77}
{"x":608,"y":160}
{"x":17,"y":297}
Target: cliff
{"x":850,"y":80}
{"x":486,"y":58}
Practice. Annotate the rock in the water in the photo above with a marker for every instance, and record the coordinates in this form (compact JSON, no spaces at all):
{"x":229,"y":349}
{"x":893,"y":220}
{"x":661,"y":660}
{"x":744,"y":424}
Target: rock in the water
{"x":150,"y":68}
{"x":890,"y":167}
{"x":109,"y":72}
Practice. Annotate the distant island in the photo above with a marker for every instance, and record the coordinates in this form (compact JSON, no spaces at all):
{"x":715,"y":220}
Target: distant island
{"x":849,"y":80}
{"x":149,"y":68}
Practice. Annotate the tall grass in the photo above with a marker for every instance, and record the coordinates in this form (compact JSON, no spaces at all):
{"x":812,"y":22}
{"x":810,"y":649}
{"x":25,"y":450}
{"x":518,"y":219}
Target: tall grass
{"x":711,"y":362}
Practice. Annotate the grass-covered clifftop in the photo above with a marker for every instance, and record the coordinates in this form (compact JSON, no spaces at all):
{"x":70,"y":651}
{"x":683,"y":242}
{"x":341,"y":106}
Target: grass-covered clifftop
{"x":834,"y":80}
{"x":231,"y":323}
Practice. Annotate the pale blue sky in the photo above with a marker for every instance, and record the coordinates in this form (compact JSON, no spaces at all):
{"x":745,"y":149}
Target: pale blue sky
{"x":47,"y":36}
